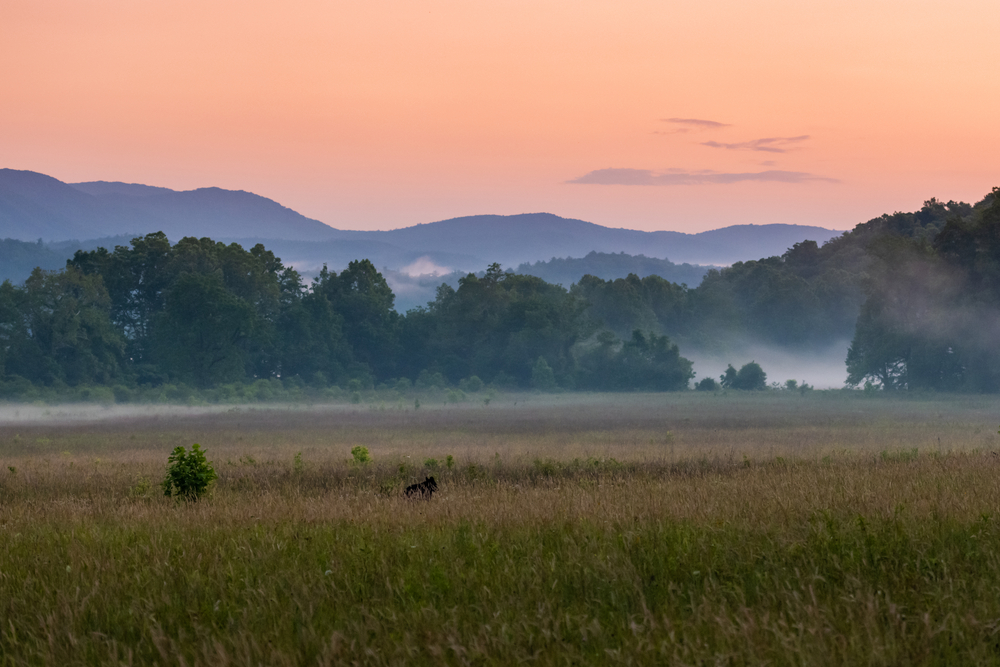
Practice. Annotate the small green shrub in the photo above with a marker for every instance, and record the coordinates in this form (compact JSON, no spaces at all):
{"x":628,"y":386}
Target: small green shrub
{"x":431,"y":464}
{"x":449,"y":461}
{"x":188,"y":474}
{"x":360,"y":454}
{"x":141,"y":488}
{"x":547,"y":467}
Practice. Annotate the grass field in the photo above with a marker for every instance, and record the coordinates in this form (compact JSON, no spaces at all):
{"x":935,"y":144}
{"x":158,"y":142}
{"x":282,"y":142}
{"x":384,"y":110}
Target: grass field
{"x":569,"y":529}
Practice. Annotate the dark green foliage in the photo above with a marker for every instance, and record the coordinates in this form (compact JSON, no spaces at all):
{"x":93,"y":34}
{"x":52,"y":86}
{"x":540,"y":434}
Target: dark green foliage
{"x":630,"y":303}
{"x":188,"y":473}
{"x":807,"y":296}
{"x":471,"y":384}
{"x":810,"y":295}
{"x":542,"y":376}
{"x":498,"y":324}
{"x":932,"y":308}
{"x":55,"y":330}
{"x":646,"y":362}
{"x":200,"y":311}
{"x":19,"y":258}
{"x":750,"y":377}
{"x":611,"y":266}
{"x":204,"y":334}
{"x":363,"y":304}
{"x":707,"y":384}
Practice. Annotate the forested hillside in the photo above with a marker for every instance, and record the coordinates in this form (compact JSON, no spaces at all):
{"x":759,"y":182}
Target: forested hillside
{"x":610,"y":266}
{"x":931,"y":316}
{"x":18,"y":258}
{"x":205,"y":314}
{"x":809,"y":296}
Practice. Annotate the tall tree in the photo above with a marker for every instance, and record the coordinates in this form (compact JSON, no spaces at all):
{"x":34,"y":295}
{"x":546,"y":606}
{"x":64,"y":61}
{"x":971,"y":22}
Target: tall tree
{"x":501,"y":323}
{"x":363,"y":303}
{"x":56,"y":328}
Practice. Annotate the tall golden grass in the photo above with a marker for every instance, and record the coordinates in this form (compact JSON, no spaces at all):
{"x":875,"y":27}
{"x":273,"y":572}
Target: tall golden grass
{"x":687,"y":529}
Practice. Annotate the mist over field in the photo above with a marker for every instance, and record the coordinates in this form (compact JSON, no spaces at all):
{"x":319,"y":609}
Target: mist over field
{"x":821,"y":368}
{"x":82,"y":413}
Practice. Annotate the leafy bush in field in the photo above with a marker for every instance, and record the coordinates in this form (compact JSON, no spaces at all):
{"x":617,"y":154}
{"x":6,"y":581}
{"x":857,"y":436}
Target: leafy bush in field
{"x":188,"y":473}
{"x":360,"y":454}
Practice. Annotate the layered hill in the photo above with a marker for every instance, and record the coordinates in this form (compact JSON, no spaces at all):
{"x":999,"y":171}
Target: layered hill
{"x":35,"y":206}
{"x":532,"y":237}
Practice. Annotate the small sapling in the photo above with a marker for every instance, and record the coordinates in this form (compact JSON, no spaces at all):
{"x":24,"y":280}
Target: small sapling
{"x":188,"y":473}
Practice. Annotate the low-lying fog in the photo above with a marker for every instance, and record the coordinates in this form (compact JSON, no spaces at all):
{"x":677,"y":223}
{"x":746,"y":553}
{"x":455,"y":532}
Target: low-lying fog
{"x":822,"y":368}
{"x":88,"y":412}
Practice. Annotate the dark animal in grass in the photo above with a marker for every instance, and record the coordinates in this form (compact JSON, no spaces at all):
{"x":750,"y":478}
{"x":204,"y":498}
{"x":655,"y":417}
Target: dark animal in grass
{"x":422,"y":489}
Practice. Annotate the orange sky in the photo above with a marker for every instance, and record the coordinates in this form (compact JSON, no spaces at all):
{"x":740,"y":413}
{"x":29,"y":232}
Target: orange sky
{"x":375,"y":114}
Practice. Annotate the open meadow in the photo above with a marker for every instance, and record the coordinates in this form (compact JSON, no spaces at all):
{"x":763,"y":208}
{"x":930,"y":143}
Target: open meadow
{"x":676,"y":528}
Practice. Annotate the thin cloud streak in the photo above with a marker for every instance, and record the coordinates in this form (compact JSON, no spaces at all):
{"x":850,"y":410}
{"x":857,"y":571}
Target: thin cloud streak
{"x":696,"y":122}
{"x":766,"y":145}
{"x":626,"y":176}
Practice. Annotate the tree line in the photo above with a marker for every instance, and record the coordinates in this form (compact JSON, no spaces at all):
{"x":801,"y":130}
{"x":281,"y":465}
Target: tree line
{"x":918,"y":294}
{"x":203,"y":313}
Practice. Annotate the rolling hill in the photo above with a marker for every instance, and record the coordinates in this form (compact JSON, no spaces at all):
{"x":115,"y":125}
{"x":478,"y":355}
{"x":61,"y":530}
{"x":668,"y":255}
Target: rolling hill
{"x":35,"y":206}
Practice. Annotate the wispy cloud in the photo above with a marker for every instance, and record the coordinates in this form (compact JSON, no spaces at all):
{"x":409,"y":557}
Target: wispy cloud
{"x":681,"y":177}
{"x":766,"y":145}
{"x":685,"y":125}
{"x":425,"y":266}
{"x":696,"y":122}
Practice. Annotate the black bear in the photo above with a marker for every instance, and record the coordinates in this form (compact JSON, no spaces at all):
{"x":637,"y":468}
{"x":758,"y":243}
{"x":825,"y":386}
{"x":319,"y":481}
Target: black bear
{"x":422,"y":489}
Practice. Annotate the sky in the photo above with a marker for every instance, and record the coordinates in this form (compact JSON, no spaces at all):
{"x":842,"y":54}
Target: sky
{"x":643,"y":114}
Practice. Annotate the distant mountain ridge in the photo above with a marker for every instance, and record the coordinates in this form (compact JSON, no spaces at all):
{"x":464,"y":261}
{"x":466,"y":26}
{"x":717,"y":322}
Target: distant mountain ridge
{"x":34,"y":206}
{"x":532,"y":237}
